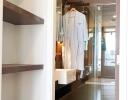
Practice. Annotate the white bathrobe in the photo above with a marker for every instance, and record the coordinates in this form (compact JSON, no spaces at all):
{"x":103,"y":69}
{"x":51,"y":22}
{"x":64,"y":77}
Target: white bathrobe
{"x":75,"y":33}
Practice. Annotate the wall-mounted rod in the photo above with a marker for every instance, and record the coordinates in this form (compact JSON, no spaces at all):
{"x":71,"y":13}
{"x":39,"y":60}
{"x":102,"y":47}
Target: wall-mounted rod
{"x":77,"y":3}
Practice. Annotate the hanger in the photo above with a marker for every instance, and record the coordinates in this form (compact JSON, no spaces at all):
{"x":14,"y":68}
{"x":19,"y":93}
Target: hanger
{"x":73,"y":9}
{"x":83,"y":11}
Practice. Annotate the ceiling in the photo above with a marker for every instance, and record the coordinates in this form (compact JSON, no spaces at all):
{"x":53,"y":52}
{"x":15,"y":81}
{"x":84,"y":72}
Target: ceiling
{"x":108,"y":8}
{"x":109,"y":15}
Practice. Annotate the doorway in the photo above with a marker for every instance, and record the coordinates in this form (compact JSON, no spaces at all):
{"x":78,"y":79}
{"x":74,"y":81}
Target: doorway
{"x":100,"y":54}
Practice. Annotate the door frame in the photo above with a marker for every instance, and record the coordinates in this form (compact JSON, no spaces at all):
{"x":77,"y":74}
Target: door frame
{"x":124,"y":63}
{"x":117,"y":48}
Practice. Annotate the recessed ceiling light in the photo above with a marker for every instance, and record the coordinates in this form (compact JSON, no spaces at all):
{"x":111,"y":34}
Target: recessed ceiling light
{"x":114,"y":16}
{"x":59,"y":12}
{"x":113,"y":3}
{"x":99,"y":8}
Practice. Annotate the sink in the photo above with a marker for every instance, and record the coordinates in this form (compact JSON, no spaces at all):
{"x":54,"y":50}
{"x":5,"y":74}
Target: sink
{"x":65,"y":76}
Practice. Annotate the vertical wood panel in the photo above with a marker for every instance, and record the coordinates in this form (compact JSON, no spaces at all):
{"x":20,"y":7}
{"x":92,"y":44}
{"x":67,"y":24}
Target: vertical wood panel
{"x":1,"y":23}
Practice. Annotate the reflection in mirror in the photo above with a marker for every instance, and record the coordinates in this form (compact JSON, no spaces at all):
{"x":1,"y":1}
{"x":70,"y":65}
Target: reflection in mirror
{"x":59,"y":35}
{"x":98,"y":81}
{"x":59,"y":20}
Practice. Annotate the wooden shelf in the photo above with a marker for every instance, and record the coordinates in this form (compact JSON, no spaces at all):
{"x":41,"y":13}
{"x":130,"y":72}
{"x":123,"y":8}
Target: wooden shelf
{"x":18,"y":16}
{"x":14,"y":68}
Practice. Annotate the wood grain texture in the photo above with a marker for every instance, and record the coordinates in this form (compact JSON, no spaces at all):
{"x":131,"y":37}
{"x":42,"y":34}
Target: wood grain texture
{"x":14,"y":68}
{"x":18,"y":16}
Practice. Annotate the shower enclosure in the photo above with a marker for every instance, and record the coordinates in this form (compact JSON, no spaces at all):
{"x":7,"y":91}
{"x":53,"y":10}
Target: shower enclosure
{"x":104,"y":41}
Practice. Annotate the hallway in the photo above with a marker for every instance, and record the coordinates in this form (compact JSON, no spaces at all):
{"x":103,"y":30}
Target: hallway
{"x":101,"y":89}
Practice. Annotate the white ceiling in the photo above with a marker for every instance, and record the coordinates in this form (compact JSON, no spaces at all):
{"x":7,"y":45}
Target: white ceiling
{"x":108,"y":11}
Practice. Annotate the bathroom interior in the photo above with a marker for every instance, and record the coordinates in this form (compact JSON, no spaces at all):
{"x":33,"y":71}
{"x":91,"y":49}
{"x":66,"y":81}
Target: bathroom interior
{"x":97,"y":80}
{"x":26,"y":45}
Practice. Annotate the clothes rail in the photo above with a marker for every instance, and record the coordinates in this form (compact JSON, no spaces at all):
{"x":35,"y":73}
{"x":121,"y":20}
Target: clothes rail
{"x":77,"y":3}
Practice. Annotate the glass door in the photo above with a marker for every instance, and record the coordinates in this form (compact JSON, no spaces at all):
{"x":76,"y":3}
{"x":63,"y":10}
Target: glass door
{"x":104,"y":41}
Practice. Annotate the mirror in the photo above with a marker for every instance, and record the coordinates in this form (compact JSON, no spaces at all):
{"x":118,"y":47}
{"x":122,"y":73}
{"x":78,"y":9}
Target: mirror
{"x":99,"y":57}
{"x":59,"y":34}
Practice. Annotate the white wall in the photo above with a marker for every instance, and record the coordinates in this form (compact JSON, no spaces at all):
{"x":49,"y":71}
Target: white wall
{"x":31,"y":43}
{"x":9,"y":49}
{"x":31,"y":86}
{"x":9,"y":87}
{"x":125,"y":50}
{"x":9,"y":56}
{"x":23,"y":45}
{"x":35,"y":44}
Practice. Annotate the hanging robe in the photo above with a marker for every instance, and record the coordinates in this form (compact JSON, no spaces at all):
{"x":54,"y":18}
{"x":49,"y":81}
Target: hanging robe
{"x":75,"y":33}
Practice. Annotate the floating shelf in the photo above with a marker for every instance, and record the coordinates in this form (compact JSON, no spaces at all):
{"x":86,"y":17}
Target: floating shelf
{"x":18,"y":16}
{"x":14,"y":68}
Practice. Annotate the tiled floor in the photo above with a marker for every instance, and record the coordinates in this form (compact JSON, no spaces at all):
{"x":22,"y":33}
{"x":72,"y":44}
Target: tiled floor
{"x":101,"y":81}
{"x":93,"y":91}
